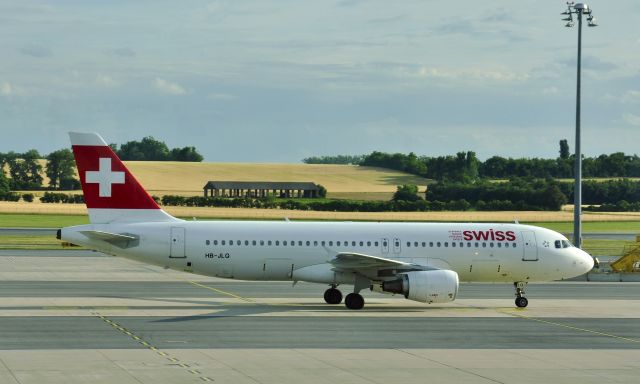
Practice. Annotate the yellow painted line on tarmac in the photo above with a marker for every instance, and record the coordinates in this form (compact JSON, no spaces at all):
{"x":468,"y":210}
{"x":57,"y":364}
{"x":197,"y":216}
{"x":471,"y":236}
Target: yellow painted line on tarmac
{"x":141,"y":341}
{"x":221,"y":291}
{"x":591,"y":331}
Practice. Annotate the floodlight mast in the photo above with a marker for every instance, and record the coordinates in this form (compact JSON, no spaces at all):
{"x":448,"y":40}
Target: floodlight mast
{"x":578,"y":9}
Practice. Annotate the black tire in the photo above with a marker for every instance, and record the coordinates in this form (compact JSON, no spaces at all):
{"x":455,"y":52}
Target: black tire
{"x":521,"y":302}
{"x":354,"y":301}
{"x":333,"y":296}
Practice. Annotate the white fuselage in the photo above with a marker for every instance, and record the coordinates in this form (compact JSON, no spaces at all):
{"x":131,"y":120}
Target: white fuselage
{"x":267,"y":250}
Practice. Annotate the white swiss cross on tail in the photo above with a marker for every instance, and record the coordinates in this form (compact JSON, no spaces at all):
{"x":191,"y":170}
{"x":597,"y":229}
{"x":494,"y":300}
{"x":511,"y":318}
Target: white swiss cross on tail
{"x":110,"y":191}
{"x":105,"y":177}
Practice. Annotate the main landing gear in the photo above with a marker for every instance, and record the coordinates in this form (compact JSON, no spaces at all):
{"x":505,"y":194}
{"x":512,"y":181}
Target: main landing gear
{"x":521,"y":301}
{"x":333,"y":295}
{"x":353,"y":300}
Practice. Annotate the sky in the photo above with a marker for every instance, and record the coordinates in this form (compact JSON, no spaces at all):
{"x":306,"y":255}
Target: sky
{"x":278,"y":81}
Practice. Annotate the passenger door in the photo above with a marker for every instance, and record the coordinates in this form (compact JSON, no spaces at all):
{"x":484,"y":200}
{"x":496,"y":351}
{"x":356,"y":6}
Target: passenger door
{"x":530,"y":252}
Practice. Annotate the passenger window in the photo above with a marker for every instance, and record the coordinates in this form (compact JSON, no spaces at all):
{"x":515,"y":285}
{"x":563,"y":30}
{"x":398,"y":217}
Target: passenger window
{"x":468,"y":245}
{"x":215,"y":242}
{"x":337,"y":243}
{"x":369,"y":244}
{"x":461,"y":244}
{"x":277,"y":242}
{"x":477,"y":244}
{"x":491,"y":244}
{"x":207,"y":242}
{"x":362,"y":243}
{"x":438,"y":244}
{"x":484,"y":245}
{"x":269,"y":242}
{"x":514,"y":245}
{"x":415,"y":244}
{"x":300,"y":243}
{"x":376,"y":243}
{"x":446,"y":243}
{"x":353,"y":244}
{"x":261,"y":242}
{"x":284,"y":243}
{"x":246,"y":242}
{"x":431,"y":243}
{"x":499,"y":245}
{"x":315,"y":244}
{"x":308,"y":243}
{"x":331,"y":243}
{"x":424,"y":244}
{"x":453,"y":244}
{"x":408,"y":243}
{"x":222,"y":242}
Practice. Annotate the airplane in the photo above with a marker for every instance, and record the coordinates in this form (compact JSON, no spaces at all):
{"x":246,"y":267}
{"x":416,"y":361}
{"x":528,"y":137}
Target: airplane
{"x":423,"y":262}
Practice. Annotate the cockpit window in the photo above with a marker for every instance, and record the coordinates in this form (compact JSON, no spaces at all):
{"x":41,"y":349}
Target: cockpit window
{"x":562,"y":244}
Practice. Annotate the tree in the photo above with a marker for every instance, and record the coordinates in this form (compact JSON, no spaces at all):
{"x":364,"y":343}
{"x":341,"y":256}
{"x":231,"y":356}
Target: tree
{"x":564,"y":149}
{"x":407,"y":192}
{"x":25,"y":170}
{"x":60,"y":168}
{"x":148,"y":149}
{"x":4,"y":183}
{"x":185,"y":154}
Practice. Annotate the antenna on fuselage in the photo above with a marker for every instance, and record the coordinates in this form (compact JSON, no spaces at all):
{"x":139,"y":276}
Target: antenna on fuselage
{"x":516,"y":221}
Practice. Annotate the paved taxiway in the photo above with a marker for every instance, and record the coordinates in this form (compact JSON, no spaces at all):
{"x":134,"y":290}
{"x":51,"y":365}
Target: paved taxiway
{"x":74,"y":316}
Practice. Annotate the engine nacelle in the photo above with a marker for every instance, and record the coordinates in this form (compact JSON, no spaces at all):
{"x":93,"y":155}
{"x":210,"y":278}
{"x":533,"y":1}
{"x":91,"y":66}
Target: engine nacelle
{"x":439,"y":286}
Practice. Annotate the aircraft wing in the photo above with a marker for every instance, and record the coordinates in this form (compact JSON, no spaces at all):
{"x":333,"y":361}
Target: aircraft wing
{"x":359,"y":261}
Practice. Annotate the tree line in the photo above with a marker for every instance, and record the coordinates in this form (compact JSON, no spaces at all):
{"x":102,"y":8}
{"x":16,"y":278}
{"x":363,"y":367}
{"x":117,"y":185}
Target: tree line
{"x":466,"y":167}
{"x":25,"y":171}
{"x":150,"y":149}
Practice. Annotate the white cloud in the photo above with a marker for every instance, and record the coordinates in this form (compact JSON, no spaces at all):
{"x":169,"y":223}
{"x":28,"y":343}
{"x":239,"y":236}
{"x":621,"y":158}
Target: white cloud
{"x":106,"y":81}
{"x":6,"y":89}
{"x":632,"y":119}
{"x":168,"y":87}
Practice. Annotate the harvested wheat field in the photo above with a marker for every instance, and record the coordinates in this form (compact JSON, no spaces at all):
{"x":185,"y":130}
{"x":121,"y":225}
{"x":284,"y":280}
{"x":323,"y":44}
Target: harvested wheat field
{"x":169,"y":177}
{"x":277,"y":214}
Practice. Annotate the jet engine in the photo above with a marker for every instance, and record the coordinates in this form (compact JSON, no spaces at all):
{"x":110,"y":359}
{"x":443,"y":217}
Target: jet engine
{"x":438,"y":286}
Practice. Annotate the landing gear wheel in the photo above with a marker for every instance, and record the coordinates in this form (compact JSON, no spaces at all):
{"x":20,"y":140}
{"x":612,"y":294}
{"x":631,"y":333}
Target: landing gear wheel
{"x":354,"y":301}
{"x":521,"y":302}
{"x":332,"y":296}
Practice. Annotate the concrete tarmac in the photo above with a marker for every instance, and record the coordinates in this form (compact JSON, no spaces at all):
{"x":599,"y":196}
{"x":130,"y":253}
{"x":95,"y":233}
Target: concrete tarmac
{"x":82,"y":317}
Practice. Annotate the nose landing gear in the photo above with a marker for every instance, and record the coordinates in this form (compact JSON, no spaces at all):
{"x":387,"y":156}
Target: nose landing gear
{"x":521,"y":301}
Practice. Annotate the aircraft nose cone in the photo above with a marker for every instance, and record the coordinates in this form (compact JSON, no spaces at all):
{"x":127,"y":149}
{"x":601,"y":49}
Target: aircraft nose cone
{"x":585,"y":261}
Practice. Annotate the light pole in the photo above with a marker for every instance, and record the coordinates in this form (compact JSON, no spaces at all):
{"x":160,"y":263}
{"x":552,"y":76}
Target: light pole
{"x":578,"y":9}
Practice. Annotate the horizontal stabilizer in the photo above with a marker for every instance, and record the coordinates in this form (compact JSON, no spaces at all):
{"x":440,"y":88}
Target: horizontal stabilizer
{"x":122,"y":240}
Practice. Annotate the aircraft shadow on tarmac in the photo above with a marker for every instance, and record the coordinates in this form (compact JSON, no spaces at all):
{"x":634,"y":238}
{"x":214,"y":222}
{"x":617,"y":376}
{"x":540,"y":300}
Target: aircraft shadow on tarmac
{"x":226,"y":310}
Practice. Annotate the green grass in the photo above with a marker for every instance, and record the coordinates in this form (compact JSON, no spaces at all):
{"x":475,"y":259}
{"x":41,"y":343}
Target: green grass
{"x":605,"y":247}
{"x":593,"y":226}
{"x":29,"y":242}
{"x":10,"y":220}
